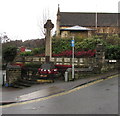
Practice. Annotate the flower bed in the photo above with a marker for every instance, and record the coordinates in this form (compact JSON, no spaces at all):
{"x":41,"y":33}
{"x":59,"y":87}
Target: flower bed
{"x":68,"y":53}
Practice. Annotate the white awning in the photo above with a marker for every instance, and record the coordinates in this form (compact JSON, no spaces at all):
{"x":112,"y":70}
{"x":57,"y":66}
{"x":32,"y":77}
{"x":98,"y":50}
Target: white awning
{"x":77,"y":28}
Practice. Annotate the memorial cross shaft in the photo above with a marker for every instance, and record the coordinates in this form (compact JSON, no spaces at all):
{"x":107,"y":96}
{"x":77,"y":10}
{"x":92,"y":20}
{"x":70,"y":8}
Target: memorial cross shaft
{"x":48,"y":43}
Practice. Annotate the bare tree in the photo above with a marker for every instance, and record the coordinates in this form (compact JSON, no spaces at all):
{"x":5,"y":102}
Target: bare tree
{"x":42,"y":21}
{"x":4,"y":38}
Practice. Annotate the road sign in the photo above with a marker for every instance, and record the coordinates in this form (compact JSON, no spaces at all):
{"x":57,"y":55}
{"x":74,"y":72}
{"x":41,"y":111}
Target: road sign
{"x":72,"y":43}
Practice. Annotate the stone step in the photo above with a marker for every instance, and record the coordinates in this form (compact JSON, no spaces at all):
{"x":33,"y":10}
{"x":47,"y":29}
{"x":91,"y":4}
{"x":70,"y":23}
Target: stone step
{"x":22,"y":84}
{"x":18,"y":86}
{"x":44,"y":81}
{"x":29,"y":81}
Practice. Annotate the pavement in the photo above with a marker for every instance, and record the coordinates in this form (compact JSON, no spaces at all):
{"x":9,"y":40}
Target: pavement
{"x":13,"y":95}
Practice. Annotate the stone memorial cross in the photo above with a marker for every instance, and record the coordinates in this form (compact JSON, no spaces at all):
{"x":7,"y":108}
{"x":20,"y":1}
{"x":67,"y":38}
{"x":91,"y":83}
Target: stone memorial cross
{"x":48,"y":45}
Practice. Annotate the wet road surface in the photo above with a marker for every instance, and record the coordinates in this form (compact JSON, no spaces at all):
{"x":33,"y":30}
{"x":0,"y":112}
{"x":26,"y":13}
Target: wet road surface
{"x":99,"y":98}
{"x":40,"y":94}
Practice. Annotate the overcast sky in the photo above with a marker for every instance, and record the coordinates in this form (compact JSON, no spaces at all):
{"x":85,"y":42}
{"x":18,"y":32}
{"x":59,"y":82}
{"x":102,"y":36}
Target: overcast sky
{"x":23,"y":19}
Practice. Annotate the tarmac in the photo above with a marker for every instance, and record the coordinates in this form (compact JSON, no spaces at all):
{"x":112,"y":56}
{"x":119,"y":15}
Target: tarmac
{"x":12,"y":95}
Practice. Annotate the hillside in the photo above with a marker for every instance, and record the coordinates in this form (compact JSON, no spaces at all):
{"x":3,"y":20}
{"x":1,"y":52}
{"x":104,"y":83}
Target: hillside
{"x":34,"y":43}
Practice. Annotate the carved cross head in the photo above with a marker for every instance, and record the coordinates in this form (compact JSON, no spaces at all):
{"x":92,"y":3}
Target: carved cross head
{"x":49,"y":25}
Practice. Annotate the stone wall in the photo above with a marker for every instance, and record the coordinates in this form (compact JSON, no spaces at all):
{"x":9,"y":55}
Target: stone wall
{"x":100,"y":30}
{"x":107,"y":66}
{"x":56,"y":60}
{"x":110,"y":30}
{"x":13,"y":74}
{"x":82,"y":34}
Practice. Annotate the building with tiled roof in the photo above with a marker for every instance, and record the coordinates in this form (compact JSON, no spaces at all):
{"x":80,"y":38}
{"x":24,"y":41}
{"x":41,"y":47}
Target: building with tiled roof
{"x":101,"y":23}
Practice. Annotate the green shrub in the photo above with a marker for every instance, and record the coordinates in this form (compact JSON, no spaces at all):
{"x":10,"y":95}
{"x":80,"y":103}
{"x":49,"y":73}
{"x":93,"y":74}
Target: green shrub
{"x":32,"y":65}
{"x":40,"y":50}
{"x":26,"y":54}
{"x":112,"y":52}
{"x":113,"y":40}
{"x":9,"y":53}
{"x":60,"y":45}
{"x":88,"y":44}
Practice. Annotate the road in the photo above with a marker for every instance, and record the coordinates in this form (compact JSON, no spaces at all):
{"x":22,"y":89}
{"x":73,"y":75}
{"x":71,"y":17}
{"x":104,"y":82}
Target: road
{"x":98,"y":98}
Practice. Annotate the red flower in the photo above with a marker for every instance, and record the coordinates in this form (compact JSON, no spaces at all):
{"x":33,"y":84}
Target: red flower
{"x":68,"y":53}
